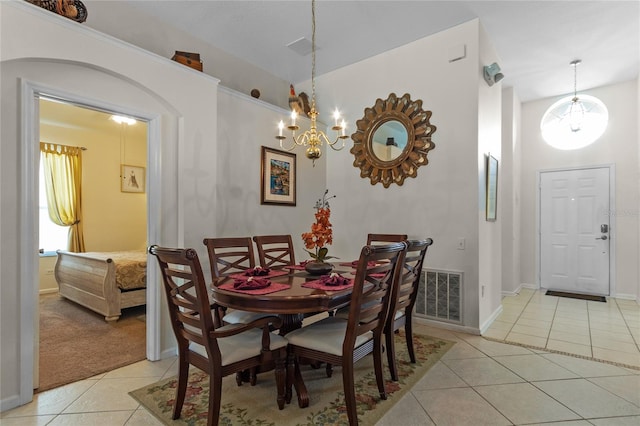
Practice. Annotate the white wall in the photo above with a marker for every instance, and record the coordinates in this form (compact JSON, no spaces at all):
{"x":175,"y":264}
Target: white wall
{"x":246,"y":124}
{"x":35,"y":48}
{"x":442,"y":201}
{"x":619,"y":146}
{"x":509,"y":191}
{"x":490,"y":253}
{"x":124,"y":21}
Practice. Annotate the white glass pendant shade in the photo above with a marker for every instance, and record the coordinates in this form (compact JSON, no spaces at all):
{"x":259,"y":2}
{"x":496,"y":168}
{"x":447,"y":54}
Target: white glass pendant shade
{"x":573,"y":124}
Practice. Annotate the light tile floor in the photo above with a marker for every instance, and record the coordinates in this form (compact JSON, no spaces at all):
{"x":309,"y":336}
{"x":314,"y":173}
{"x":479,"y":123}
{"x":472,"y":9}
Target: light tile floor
{"x":605,"y":331}
{"x":478,"y":382}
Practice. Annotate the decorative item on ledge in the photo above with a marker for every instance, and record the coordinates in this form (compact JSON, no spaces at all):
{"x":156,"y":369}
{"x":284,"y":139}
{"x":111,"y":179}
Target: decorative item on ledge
{"x":189,"y":59}
{"x":72,"y":9}
{"x":321,"y":234}
{"x":312,"y":138}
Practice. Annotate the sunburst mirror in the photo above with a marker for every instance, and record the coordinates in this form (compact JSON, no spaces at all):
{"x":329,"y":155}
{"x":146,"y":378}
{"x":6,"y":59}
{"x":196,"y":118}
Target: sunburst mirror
{"x":392,"y":140}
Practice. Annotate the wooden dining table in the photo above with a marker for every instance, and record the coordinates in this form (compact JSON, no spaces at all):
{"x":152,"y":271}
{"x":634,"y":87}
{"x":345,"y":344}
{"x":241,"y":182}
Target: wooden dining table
{"x":291,"y":303}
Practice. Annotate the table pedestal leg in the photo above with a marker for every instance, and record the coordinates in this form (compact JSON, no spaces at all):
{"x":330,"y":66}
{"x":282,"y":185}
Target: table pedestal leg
{"x":290,"y":322}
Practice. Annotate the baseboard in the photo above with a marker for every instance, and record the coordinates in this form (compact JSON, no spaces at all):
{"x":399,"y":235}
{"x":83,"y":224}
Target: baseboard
{"x":511,"y":293}
{"x":627,"y":297}
{"x":485,"y":326}
{"x":447,"y":326}
{"x":518,"y":290}
{"x":47,"y":291}
{"x":8,"y":403}
{"x":168,"y":353}
{"x":531,"y":286}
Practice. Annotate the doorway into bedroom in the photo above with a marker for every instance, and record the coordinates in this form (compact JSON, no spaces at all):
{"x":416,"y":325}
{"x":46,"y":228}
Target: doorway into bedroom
{"x":75,"y":342}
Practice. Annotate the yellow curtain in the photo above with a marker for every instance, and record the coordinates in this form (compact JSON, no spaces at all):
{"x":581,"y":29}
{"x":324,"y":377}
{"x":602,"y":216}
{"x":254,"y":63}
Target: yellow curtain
{"x":63,"y":183}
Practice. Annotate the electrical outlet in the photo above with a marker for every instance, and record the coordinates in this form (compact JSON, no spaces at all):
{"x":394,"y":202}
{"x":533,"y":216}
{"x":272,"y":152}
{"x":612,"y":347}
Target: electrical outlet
{"x":460,"y":244}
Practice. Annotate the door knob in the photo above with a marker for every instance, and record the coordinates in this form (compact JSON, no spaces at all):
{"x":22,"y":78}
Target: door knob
{"x":604,"y":237}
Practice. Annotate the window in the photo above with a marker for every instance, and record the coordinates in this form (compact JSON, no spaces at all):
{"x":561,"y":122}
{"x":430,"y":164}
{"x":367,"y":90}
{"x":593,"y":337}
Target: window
{"x":52,"y":237}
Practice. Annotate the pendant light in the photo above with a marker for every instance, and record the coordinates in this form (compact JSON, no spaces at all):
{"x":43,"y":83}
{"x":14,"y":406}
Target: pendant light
{"x":574,"y":121}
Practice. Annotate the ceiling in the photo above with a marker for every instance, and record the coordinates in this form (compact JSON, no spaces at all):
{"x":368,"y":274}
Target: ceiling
{"x":535,"y":40}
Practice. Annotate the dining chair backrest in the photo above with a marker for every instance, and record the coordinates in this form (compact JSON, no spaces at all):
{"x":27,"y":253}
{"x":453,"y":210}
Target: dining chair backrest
{"x":188,"y":300}
{"x":403,"y":299}
{"x":275,"y":251}
{"x":407,"y":288}
{"x":385,"y":238}
{"x":229,"y":255}
{"x":372,"y":289}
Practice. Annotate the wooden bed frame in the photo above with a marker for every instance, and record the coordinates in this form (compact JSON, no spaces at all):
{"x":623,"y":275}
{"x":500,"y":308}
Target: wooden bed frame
{"x":91,"y":282}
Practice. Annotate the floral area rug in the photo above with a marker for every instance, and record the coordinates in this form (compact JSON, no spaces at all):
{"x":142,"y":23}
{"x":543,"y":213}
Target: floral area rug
{"x":256,"y":405}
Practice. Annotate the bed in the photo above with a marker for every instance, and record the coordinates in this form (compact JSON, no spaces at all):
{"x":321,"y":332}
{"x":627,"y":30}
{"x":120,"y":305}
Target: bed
{"x":105,"y":282}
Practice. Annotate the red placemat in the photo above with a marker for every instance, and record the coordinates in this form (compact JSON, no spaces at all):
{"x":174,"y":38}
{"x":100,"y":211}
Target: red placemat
{"x":354,"y":264}
{"x":272,"y":273}
{"x":319,"y":285}
{"x":271,"y":289}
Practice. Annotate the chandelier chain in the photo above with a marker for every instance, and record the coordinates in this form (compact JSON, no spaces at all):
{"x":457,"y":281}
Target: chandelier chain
{"x":313,"y":54}
{"x":313,"y":138}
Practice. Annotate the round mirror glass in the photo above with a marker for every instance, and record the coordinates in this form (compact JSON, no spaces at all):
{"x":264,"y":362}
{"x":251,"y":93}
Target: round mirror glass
{"x":389,"y":140}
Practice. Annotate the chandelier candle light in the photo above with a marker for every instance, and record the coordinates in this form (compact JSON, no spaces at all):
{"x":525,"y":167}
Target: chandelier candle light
{"x":313,"y":138}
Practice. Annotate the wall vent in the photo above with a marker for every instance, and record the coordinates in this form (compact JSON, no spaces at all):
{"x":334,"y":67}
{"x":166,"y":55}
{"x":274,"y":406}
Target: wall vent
{"x":440,"y":296}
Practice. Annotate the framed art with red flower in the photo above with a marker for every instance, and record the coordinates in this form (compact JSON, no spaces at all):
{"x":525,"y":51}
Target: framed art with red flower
{"x":278,"y":177}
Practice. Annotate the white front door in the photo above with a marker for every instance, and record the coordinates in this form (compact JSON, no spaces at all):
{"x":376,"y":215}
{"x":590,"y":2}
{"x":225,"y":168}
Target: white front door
{"x":574,"y":231}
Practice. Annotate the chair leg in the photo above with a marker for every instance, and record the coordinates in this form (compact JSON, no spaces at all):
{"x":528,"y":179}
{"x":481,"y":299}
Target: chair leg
{"x":408,"y":331}
{"x":181,"y":389}
{"x":280,"y":378}
{"x":215,"y":392}
{"x":391,"y":354}
{"x":329,"y":369}
{"x":349,"y":390}
{"x":253,"y":376}
{"x":377,"y":366}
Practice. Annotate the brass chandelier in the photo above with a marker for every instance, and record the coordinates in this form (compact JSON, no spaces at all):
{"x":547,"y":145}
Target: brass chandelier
{"x":313,"y":138}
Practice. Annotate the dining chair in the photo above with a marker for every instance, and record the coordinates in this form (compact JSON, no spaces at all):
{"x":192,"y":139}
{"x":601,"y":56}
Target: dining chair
{"x":385,"y":238}
{"x":217,"y":351}
{"x":339,"y":342}
{"x":227,"y":256}
{"x":372,"y":239}
{"x":275,"y":251}
{"x":404,"y":298}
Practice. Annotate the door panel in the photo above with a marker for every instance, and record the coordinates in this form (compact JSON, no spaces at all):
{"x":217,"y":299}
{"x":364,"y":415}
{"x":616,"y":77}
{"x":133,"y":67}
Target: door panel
{"x":574,"y":253}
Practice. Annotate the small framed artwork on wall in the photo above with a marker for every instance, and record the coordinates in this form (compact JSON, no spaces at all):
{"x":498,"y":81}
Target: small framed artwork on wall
{"x":278,"y":177}
{"x":132,"y":178}
{"x":492,"y":187}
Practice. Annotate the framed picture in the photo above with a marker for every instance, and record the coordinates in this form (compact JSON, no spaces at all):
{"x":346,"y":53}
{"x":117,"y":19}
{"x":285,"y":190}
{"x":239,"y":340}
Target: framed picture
{"x":132,"y":178}
{"x":492,"y":187}
{"x":278,"y":177}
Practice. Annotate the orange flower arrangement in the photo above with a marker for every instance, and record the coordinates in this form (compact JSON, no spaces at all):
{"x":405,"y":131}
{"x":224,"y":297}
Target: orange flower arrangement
{"x":321,"y":231}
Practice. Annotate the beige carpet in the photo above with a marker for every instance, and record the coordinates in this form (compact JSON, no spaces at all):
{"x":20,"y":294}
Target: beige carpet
{"x":247,"y":405}
{"x":76,"y":343}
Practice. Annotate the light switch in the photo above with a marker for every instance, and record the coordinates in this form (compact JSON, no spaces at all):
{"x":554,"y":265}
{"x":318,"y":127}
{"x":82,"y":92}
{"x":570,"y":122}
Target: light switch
{"x":460,"y":243}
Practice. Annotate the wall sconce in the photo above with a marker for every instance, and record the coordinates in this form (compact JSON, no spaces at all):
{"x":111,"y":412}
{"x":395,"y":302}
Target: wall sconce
{"x":492,"y":74}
